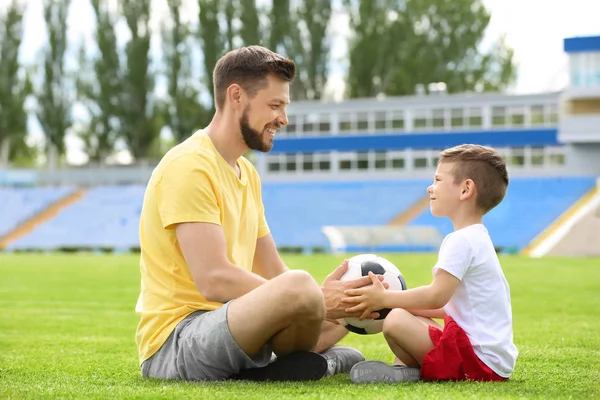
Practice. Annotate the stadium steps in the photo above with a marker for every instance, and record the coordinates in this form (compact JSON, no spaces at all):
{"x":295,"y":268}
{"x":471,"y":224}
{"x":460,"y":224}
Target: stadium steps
{"x":411,"y":213}
{"x":573,"y":228}
{"x":41,"y":217}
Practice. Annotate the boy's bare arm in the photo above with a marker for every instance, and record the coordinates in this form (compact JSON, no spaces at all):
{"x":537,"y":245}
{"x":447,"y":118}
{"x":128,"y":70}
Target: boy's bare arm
{"x":430,"y":297}
{"x":375,"y":297}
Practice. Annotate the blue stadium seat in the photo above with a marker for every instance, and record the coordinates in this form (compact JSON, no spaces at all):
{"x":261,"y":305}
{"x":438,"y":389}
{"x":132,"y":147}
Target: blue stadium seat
{"x":530,"y":205}
{"x":296,"y":211}
{"x":19,"y":204}
{"x":107,"y":216}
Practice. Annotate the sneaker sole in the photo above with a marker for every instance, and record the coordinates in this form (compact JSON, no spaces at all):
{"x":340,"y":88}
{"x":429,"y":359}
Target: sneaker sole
{"x":295,"y":367}
{"x":376,"y":371}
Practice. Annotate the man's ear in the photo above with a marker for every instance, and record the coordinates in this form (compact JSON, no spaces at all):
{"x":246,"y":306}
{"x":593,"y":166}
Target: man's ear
{"x":235,"y":95}
{"x":468,"y":189}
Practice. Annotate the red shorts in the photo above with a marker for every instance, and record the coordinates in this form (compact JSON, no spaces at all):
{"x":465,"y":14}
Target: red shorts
{"x":453,"y":357}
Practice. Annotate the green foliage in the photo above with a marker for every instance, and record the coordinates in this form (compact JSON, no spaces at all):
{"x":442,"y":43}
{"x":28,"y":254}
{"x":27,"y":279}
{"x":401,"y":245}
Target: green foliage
{"x":140,"y":121}
{"x":398,"y":45}
{"x":183,"y":113}
{"x":301,"y":34}
{"x":99,"y":87}
{"x":15,"y":86}
{"x":54,"y":100}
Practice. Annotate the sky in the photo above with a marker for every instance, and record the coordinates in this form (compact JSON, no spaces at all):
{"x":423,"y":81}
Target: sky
{"x":535,"y":29}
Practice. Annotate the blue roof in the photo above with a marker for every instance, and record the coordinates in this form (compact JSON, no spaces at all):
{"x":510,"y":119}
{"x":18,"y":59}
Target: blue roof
{"x":582,"y":44}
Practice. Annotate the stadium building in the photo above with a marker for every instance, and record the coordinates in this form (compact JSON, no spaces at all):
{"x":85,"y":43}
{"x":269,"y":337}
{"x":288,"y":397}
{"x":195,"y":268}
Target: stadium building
{"x":352,"y":175}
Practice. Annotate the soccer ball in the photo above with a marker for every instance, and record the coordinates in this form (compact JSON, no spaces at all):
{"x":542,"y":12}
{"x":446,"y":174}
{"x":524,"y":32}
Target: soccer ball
{"x":360,"y":266}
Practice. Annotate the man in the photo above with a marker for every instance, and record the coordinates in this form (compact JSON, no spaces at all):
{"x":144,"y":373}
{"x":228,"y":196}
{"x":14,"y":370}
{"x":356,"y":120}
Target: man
{"x":216,"y":299}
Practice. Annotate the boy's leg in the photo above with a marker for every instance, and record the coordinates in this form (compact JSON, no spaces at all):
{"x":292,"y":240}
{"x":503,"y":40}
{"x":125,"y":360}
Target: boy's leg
{"x":408,"y":337}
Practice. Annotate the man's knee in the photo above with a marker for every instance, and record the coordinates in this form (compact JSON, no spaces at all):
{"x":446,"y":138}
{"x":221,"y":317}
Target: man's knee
{"x":301,"y":294}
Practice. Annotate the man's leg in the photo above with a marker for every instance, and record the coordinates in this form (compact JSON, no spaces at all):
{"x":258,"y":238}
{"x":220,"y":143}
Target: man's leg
{"x":287,"y":311}
{"x":330,"y":334}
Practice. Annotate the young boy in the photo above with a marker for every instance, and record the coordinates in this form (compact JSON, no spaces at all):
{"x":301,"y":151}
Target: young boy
{"x":469,"y":290}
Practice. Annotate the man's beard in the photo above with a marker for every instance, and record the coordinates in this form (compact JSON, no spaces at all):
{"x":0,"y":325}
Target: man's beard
{"x":252,"y":137}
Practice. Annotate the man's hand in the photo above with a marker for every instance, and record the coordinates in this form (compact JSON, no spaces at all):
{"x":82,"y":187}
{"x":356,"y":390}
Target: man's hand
{"x":366,"y":299}
{"x":333,"y":292}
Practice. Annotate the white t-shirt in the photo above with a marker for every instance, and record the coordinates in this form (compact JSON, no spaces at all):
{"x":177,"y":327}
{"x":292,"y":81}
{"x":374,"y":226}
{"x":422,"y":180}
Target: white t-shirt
{"x":481,"y":303}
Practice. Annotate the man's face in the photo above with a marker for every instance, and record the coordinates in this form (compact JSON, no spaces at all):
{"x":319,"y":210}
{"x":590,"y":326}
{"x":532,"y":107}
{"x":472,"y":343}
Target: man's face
{"x":264,"y":114}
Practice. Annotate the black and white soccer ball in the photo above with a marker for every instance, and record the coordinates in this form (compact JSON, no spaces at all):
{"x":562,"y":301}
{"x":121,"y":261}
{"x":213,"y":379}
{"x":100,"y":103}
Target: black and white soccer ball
{"x":360,"y":266}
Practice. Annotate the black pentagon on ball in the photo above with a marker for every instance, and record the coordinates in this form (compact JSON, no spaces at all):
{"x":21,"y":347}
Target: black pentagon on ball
{"x":360,"y":331}
{"x":378,"y":269}
{"x":372,"y":266}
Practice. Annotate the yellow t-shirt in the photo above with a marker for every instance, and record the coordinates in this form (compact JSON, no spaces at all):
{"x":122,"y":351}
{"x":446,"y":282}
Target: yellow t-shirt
{"x":192,"y":183}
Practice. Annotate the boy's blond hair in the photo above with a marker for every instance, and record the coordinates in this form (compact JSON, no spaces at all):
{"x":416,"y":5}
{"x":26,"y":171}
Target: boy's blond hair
{"x":485,"y":166}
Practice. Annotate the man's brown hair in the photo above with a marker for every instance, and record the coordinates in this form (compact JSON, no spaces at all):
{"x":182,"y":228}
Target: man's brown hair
{"x":249,"y":67}
{"x":485,"y":166}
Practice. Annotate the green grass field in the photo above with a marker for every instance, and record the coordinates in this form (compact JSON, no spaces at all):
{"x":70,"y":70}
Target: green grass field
{"x":68,"y":323}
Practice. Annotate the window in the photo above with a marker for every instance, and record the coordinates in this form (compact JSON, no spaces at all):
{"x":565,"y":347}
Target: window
{"x":421,"y":119}
{"x":556,"y":159}
{"x":537,"y":115}
{"x":499,"y":116}
{"x":380,"y":160}
{"x":517,"y":157}
{"x":307,"y":162}
{"x":362,"y":121}
{"x":552,"y":114}
{"x":380,"y":121}
{"x":290,"y":164}
{"x":362,"y":161}
{"x":398,"y":120}
{"x":292,"y":127}
{"x":517,"y":116}
{"x":438,"y":119}
{"x":456,"y":118}
{"x":420,"y":162}
{"x":537,"y":156}
{"x":398,"y":163}
{"x":475,"y":118}
{"x":346,"y":122}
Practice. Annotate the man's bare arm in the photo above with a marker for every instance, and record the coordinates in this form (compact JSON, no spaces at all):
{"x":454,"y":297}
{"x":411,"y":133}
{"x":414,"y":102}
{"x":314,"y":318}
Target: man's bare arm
{"x":204,"y":248}
{"x":267,"y":262}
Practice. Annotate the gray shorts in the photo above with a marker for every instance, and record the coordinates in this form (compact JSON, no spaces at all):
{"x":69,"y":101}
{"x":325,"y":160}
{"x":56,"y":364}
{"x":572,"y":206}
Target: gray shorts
{"x":201,"y":348}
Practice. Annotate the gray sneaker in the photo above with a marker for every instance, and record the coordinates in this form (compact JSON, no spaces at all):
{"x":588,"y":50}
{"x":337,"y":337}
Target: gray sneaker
{"x":341,"y":359}
{"x":377,"y":371}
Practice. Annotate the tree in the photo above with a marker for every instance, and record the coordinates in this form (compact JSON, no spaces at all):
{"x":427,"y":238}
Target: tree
{"x":397,"y":45}
{"x":100,"y":91}
{"x":300,"y":33}
{"x":14,"y":87}
{"x":250,"y":29}
{"x":140,"y":121}
{"x":184,"y":113}
{"x":213,"y":45}
{"x":54,"y":110}
{"x":309,"y":48}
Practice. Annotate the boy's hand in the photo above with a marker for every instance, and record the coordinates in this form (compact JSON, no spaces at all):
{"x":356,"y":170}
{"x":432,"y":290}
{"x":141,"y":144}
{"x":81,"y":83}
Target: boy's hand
{"x":367,"y":299}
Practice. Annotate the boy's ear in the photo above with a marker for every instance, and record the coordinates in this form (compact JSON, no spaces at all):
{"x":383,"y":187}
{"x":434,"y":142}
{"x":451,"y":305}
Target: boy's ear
{"x":468,"y":189}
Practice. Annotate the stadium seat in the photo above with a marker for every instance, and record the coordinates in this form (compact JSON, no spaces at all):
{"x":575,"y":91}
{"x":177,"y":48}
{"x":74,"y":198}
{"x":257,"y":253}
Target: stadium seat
{"x":530,"y":205}
{"x":297,"y":211}
{"x":19,"y":204}
{"x":106,"y":217}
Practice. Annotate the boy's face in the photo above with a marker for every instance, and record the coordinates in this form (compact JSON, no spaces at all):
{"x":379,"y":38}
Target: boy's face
{"x":444,"y":194}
